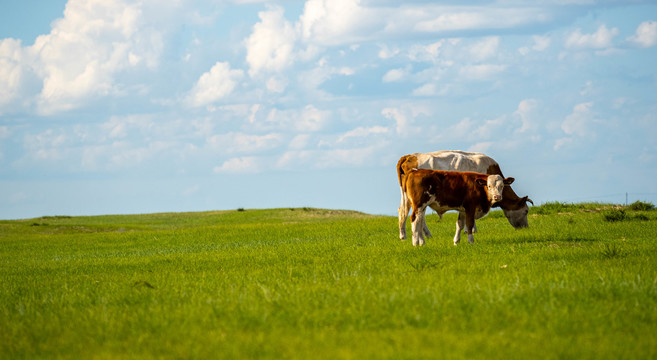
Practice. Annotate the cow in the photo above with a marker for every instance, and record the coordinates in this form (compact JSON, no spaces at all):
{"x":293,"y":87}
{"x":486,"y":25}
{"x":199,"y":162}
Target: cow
{"x":515,"y":208}
{"x":472,"y":194}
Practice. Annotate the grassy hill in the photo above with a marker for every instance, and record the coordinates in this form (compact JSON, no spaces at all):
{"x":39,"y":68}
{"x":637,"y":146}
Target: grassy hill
{"x":581,"y":282}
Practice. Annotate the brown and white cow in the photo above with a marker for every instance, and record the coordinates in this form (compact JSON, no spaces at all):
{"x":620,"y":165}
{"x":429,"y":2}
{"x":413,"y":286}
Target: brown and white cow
{"x":514,"y":207}
{"x":471,"y":194}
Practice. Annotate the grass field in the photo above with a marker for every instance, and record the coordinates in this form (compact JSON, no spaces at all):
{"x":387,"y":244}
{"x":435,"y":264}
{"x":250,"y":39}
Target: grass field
{"x":580,"y":283}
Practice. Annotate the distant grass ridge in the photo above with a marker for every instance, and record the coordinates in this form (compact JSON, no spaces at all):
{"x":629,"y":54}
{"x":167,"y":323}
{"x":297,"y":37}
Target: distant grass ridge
{"x":313,"y":283}
{"x":563,"y":207}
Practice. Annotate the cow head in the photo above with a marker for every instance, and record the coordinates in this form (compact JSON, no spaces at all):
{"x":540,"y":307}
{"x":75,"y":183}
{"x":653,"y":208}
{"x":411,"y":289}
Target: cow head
{"x":494,"y":185}
{"x":516,"y":211}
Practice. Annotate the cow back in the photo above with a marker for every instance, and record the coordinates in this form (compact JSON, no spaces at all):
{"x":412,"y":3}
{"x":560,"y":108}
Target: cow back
{"x":454,"y":160}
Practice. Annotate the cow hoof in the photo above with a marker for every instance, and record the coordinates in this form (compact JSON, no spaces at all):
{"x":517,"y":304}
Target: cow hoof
{"x":418,"y":242}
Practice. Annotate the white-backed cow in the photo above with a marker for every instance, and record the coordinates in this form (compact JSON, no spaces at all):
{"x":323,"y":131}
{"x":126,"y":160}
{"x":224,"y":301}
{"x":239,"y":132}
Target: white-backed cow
{"x":515,"y":208}
{"x":472,"y":194}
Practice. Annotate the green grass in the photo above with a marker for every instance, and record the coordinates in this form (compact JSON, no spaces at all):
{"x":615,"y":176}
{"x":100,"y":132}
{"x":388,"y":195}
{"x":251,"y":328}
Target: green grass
{"x":312,"y":283}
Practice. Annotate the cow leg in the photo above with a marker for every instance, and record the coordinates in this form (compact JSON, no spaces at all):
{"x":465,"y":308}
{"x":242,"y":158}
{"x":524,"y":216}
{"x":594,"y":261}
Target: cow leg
{"x":425,"y":228}
{"x":459,"y":227}
{"x":417,"y":218}
{"x":469,"y":225}
{"x":435,"y":207}
{"x":402,"y":212}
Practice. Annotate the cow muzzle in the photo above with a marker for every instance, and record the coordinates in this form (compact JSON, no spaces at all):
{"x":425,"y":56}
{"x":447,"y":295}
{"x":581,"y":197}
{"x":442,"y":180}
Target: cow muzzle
{"x":497,"y":198}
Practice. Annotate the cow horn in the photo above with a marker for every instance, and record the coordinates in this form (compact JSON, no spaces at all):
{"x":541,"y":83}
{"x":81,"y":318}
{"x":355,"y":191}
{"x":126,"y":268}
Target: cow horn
{"x":527,"y":199}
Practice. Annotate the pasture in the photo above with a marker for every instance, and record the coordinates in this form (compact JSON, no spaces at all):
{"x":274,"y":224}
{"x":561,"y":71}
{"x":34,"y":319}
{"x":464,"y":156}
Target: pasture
{"x":580,"y":283}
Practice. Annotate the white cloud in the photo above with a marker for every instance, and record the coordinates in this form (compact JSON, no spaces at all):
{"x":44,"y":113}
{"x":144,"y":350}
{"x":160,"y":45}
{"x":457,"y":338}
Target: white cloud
{"x":312,"y":79}
{"x":80,"y":58}
{"x":395,"y":75}
{"x":404,"y":118}
{"x":331,"y":22}
{"x":588,"y":87}
{"x":491,"y":129}
{"x":386,"y":53}
{"x":93,"y":41}
{"x":48,"y":145}
{"x":346,"y":71}
{"x":126,"y":155}
{"x":425,"y":90}
{"x":363,"y":132}
{"x":481,"y":147}
{"x":462,"y":130}
{"x":332,"y":158}
{"x":276,"y":43}
{"x":297,"y":159}
{"x":236,"y":110}
{"x":241,"y":143}
{"x":11,"y":70}
{"x":271,"y":45}
{"x":325,"y":23}
{"x":579,"y":121}
{"x":485,"y":48}
{"x":431,"y":52}
{"x":527,"y":113}
{"x":118,"y":126}
{"x":431,"y":89}
{"x":485,"y":133}
{"x":253,"y":113}
{"x":541,"y":43}
{"x":215,"y":84}
{"x":308,"y":119}
{"x":299,"y":142}
{"x":561,"y":142}
{"x":600,"y":39}
{"x":443,"y":18}
{"x":621,"y":102}
{"x":120,"y":154}
{"x":454,"y":21}
{"x":403,"y":124}
{"x":276,"y":84}
{"x":312,"y":119}
{"x":481,"y":72}
{"x":645,"y":35}
{"x":241,"y":165}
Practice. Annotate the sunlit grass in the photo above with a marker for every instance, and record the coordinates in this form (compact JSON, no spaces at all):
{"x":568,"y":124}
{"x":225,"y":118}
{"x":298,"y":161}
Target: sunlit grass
{"x":311,"y":283}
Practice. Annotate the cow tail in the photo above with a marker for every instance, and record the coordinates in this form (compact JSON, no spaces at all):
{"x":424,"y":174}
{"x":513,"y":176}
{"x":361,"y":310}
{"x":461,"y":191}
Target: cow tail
{"x":400,"y":170}
{"x":402,"y":179}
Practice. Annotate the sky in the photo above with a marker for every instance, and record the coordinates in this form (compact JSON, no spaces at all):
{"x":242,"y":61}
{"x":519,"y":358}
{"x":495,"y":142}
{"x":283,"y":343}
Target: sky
{"x":123,"y":107}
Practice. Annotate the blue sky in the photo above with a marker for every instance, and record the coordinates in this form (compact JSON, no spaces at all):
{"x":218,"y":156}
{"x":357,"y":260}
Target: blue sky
{"x":111,"y":106}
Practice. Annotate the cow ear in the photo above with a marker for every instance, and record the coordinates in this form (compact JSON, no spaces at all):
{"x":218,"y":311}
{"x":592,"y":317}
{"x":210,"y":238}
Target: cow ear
{"x":481,"y":182}
{"x":509,"y":181}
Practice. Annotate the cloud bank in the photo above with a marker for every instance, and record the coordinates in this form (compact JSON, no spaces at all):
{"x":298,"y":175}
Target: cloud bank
{"x":257,"y":87}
